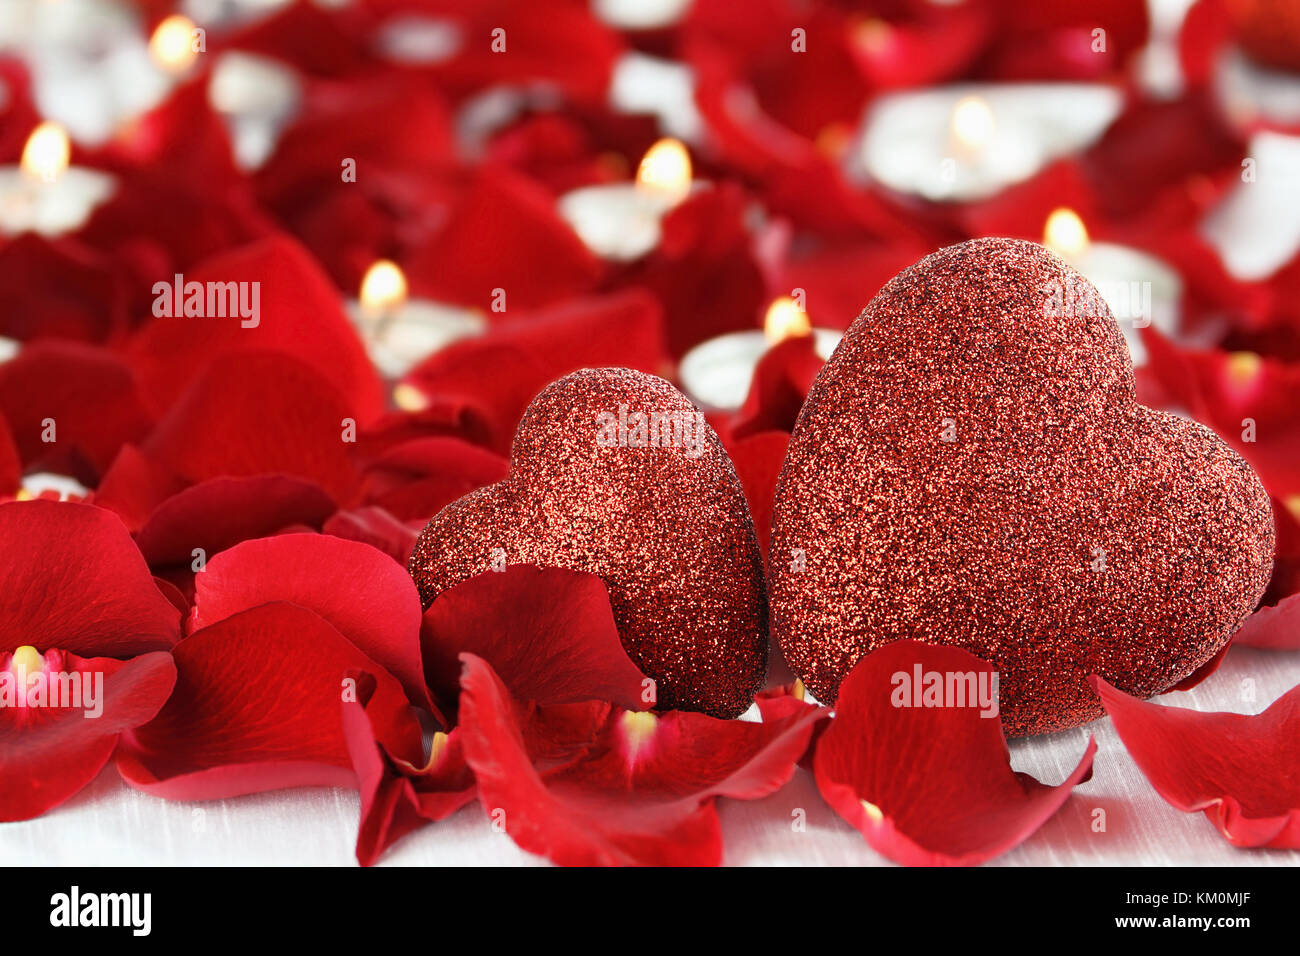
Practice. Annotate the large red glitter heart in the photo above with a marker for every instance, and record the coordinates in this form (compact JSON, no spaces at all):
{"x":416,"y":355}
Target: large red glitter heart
{"x":971,"y":468}
{"x":658,"y":514}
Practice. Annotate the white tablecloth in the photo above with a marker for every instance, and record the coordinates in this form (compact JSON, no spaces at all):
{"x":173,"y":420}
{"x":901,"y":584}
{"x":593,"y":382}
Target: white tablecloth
{"x":110,"y":824}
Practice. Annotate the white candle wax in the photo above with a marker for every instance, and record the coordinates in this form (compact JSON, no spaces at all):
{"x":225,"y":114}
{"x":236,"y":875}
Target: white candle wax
{"x":923,"y":143}
{"x":717,"y":373}
{"x":52,"y":208}
{"x":401,"y":336}
{"x":1140,"y":289}
{"x":618,"y":221}
{"x":1256,"y":228}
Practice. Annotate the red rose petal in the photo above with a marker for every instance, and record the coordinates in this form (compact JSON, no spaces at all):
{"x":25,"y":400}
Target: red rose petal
{"x":548,"y":632}
{"x":301,"y":313}
{"x":928,"y":786}
{"x":758,"y":460}
{"x":221,"y":512}
{"x":368,"y":598}
{"x":260,"y":413}
{"x":492,"y":378}
{"x":1243,"y":771}
{"x":400,"y":793}
{"x":504,"y":234}
{"x":134,"y":486}
{"x":376,"y":527}
{"x":90,"y":396}
{"x":256,"y":708}
{"x":47,"y":753}
{"x":73,"y":579}
{"x":418,"y":478}
{"x":629,"y":788}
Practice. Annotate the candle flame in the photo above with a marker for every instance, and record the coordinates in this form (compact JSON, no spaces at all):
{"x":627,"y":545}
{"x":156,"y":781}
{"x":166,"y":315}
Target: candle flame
{"x":172,"y":44}
{"x":383,"y":288}
{"x":666,"y":170}
{"x":1065,"y":233}
{"x":972,"y":123}
{"x":785,"y":319}
{"x":409,"y":398}
{"x":47,"y":152}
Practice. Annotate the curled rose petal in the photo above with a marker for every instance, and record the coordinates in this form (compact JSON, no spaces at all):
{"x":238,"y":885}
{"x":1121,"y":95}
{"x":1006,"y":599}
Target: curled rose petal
{"x":548,"y":632}
{"x":1240,"y":769}
{"x":374,"y":526}
{"x":929,"y":785}
{"x":490,"y":379}
{"x":368,"y":598}
{"x":298,"y":312}
{"x":259,"y":413}
{"x":256,"y":708}
{"x":71,"y":407}
{"x":221,"y":512}
{"x":74,"y":579}
{"x":591,"y":784}
{"x":400,"y":792}
{"x":48,"y":752}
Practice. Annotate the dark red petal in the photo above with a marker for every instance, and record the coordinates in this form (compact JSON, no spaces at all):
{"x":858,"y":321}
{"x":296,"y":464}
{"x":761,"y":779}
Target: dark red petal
{"x":88,"y":393}
{"x":928,"y":786}
{"x":376,"y":527}
{"x":134,"y":486}
{"x":504,"y":234}
{"x":758,"y":460}
{"x":418,"y":478}
{"x":301,"y":314}
{"x":256,"y":708}
{"x":259,"y":413}
{"x":1240,"y":769}
{"x":368,"y":598}
{"x":492,"y":378}
{"x":221,"y":512}
{"x":548,"y":632}
{"x":73,"y":578}
{"x":400,"y":793}
{"x":635,"y":788}
{"x":58,"y":289}
{"x":47,"y":754}
{"x":781,"y":382}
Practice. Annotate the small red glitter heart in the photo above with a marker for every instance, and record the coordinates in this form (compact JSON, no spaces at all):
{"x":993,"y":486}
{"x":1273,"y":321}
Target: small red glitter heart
{"x":614,"y":472}
{"x":971,"y":468}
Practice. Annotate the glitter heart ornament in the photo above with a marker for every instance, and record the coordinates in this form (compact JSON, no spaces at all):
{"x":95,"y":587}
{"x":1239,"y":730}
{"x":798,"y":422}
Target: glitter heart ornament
{"x":615,"y":473}
{"x":972,"y":468}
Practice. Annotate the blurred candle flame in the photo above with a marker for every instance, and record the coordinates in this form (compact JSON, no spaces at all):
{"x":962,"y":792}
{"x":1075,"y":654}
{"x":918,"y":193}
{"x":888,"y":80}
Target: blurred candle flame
{"x":383,"y":290}
{"x":665,"y":170}
{"x":973,"y":126}
{"x":172,"y":43}
{"x":785,"y":319}
{"x":47,"y":152}
{"x":1065,"y":234}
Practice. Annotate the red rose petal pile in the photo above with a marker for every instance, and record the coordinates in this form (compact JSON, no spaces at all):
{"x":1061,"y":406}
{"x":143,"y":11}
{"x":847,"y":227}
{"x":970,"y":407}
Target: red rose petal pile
{"x":214,"y":600}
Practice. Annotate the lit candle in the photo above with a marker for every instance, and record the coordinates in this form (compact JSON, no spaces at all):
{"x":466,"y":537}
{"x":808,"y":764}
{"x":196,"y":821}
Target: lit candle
{"x":44,"y":194}
{"x":1140,"y":289}
{"x":718,"y":373}
{"x":173,"y":44}
{"x":962,"y":143}
{"x":1256,"y":228}
{"x":399,"y":331}
{"x":621,"y":221}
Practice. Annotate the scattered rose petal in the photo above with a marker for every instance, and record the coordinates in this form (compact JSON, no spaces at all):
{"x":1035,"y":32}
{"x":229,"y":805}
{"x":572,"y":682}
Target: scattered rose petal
{"x":1243,"y":771}
{"x":48,"y":753}
{"x":548,"y":632}
{"x":928,"y":786}
{"x":622,"y":787}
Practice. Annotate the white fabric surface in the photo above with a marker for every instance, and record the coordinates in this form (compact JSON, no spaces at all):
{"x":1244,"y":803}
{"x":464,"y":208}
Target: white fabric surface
{"x":110,"y":824}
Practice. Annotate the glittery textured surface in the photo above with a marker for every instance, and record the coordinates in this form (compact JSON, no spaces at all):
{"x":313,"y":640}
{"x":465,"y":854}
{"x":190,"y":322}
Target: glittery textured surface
{"x":1064,"y":530}
{"x":667,"y":528}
